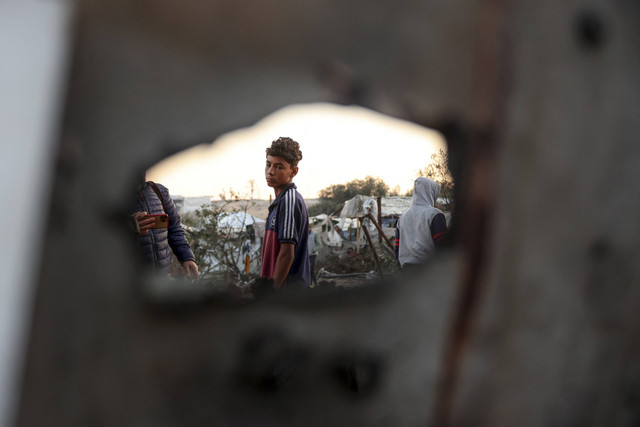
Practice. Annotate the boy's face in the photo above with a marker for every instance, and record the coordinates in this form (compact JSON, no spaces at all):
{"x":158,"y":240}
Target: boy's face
{"x":278,"y":172}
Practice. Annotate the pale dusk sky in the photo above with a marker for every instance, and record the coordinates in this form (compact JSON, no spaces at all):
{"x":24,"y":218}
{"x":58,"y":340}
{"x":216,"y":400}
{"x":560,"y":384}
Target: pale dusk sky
{"x":338,"y":144}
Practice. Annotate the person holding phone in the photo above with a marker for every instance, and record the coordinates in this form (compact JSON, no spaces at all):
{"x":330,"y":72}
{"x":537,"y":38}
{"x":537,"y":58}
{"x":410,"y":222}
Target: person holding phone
{"x":160,"y":231}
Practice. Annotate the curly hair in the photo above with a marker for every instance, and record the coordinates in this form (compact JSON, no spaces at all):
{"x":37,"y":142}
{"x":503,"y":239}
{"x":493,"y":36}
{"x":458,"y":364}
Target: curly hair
{"x":286,"y":148}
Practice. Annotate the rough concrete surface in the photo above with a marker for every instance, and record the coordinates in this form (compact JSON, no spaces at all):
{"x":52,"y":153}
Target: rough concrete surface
{"x":530,"y":319}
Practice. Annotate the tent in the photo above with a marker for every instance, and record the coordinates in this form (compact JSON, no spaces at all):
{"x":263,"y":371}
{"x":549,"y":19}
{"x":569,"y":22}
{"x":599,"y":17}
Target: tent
{"x":237,"y":220}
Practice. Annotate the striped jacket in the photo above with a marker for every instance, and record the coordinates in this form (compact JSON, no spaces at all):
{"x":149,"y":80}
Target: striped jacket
{"x":288,"y":222}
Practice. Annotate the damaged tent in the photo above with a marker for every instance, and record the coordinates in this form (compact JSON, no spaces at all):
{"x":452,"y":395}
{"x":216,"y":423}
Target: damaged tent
{"x":361,"y":206}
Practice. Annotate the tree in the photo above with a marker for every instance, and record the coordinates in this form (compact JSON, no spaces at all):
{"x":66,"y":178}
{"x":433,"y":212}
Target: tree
{"x":333,"y":196}
{"x":438,"y":170}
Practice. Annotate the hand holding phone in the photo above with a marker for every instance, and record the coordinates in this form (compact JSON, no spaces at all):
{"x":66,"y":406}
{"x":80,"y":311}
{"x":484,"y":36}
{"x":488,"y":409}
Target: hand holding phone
{"x":146,"y":222}
{"x":159,"y":220}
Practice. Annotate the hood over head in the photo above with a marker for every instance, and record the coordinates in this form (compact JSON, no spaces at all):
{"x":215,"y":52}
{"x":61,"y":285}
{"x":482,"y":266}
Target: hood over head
{"x":425,"y":192}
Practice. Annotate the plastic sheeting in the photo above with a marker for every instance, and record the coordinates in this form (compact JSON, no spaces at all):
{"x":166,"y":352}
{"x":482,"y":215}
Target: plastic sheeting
{"x":237,"y":220}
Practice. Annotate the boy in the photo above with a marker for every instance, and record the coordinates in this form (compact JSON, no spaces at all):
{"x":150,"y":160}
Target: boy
{"x":284,"y":250}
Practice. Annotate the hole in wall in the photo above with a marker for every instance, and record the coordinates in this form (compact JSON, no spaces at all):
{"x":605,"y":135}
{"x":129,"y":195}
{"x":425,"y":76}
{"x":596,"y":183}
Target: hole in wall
{"x":127,"y":87}
{"x":351,"y":156}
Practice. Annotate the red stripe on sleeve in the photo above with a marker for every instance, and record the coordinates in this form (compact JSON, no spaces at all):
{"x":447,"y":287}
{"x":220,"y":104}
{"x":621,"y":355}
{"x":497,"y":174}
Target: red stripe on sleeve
{"x":439,"y":236}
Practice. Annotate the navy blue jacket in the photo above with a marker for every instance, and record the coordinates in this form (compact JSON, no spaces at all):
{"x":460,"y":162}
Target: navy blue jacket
{"x":155,"y":246}
{"x":288,"y":222}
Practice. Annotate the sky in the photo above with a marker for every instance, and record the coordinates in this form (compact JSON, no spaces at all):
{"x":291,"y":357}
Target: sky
{"x":338,"y":144}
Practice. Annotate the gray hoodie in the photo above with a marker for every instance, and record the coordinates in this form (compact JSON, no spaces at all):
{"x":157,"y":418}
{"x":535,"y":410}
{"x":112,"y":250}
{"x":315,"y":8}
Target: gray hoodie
{"x":416,"y":244}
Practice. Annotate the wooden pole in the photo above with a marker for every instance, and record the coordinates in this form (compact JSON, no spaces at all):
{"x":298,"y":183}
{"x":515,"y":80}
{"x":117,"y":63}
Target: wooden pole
{"x":380,"y":232}
{"x":379,"y":202}
{"x":373,"y":249}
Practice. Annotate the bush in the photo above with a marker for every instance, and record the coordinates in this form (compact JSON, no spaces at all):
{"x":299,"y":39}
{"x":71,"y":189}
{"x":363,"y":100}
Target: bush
{"x":218,"y":248}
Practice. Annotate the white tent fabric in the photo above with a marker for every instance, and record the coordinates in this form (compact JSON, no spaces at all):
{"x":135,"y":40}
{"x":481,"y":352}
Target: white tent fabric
{"x":237,"y":220}
{"x":318,"y":219}
{"x":355,"y":207}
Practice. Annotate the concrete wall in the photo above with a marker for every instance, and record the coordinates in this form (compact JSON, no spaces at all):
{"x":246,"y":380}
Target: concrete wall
{"x":531,"y":318}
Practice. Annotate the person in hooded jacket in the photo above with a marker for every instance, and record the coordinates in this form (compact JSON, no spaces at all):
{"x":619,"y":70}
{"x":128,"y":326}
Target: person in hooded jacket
{"x":155,"y":245}
{"x":422,"y":228}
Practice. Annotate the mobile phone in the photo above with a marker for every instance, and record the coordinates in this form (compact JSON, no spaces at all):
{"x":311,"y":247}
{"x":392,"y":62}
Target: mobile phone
{"x":161,"y":220}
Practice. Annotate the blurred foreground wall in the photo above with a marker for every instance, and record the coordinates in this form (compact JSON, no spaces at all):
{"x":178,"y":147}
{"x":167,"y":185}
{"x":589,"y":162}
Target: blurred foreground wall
{"x":531,"y":319}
